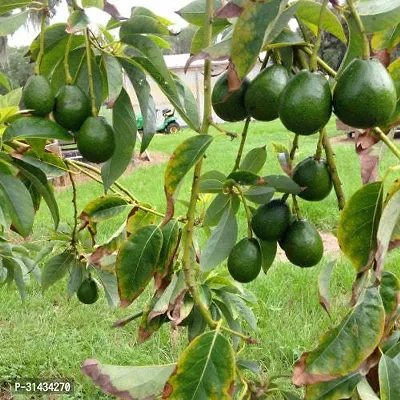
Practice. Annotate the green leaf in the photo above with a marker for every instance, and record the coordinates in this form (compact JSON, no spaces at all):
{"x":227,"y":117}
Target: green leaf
{"x":194,"y":12}
{"x":378,"y":15}
{"x":110,"y":285}
{"x":259,"y":194}
{"x":282,"y":22}
{"x":76,"y":276}
{"x":124,"y":124}
{"x":212,"y":182}
{"x":387,"y":225}
{"x":340,"y":388}
{"x":365,"y":391}
{"x":9,"y":5}
{"x":343,"y":349}
{"x":249,"y":32}
{"x":39,"y":180}
{"x":387,"y":39}
{"x":18,"y":203}
{"x":355,"y":45}
{"x":77,"y":21}
{"x":245,"y":178}
{"x":10,"y":23}
{"x":254,"y":160}
{"x":198,"y":42}
{"x":146,"y":102}
{"x":50,"y":163}
{"x":221,"y":241}
{"x":217,"y":207}
{"x":11,"y":99}
{"x":141,"y":24}
{"x":135,"y":382}
{"x":282,"y":183}
{"x":170,"y":241}
{"x":324,"y":280}
{"x":103,"y":208}
{"x":389,"y":378}
{"x":184,"y":157}
{"x":35,"y":127}
{"x":4,"y":82}
{"x":137,"y":261}
{"x":56,"y":268}
{"x":359,"y":223}
{"x":114,"y":75}
{"x":268,"y":251}
{"x":206,"y":369}
{"x":243,"y":310}
{"x":309,"y":11}
{"x":389,"y":290}
{"x":93,"y":3}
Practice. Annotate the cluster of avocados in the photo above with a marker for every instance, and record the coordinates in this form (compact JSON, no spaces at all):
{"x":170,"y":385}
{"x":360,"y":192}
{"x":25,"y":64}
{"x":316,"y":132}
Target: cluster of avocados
{"x":71,"y":109}
{"x":364,"y":97}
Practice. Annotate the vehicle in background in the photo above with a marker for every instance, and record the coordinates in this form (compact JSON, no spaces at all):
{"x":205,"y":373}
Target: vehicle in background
{"x":168,"y":125}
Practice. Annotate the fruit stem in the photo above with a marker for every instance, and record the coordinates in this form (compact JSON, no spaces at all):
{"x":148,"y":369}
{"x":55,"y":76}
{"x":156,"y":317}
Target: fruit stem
{"x":292,"y":154}
{"x":232,"y":135}
{"x":90,"y":74}
{"x":360,"y":26}
{"x":74,"y":202}
{"x":301,"y":59}
{"x":296,"y":207}
{"x":242,"y":142}
{"x":68,"y":77}
{"x":317,"y":45}
{"x":266,"y":59}
{"x":122,"y":322}
{"x":330,"y":159}
{"x":318,"y":152}
{"x":277,"y":56}
{"x":247,"y":210}
{"x":388,"y":142}
{"x":247,"y":339}
{"x":321,"y":62}
{"x":44,"y":10}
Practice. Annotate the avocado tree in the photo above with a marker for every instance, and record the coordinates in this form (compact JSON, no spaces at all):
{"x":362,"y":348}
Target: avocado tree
{"x":78,"y":66}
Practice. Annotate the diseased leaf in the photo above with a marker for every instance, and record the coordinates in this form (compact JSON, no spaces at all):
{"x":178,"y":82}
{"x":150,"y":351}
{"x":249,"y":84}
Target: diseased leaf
{"x":103,"y":208}
{"x":35,"y":127}
{"x":170,"y":241}
{"x":389,"y":378}
{"x":18,"y":203}
{"x":248,"y":34}
{"x":138,"y":218}
{"x":309,"y":11}
{"x":324,"y":280}
{"x":387,"y":39}
{"x":351,"y":342}
{"x":359,"y":224}
{"x":124,"y":124}
{"x":221,"y":241}
{"x":56,"y":268}
{"x":128,"y":382}
{"x":254,"y":160}
{"x":206,"y":369}
{"x":77,"y":21}
{"x":340,"y":388}
{"x":184,"y":157}
{"x":389,"y":290}
{"x":137,"y":262}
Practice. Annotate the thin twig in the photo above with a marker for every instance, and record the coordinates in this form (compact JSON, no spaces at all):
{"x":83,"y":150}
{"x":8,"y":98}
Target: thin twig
{"x":74,"y":202}
{"x":321,"y":62}
{"x":44,"y":10}
{"x":90,"y":73}
{"x":392,"y":147}
{"x":313,"y":60}
{"x":318,"y":152}
{"x":360,"y":26}
{"x":292,"y":154}
{"x":247,"y":210}
{"x":68,"y":77}
{"x":242,"y":142}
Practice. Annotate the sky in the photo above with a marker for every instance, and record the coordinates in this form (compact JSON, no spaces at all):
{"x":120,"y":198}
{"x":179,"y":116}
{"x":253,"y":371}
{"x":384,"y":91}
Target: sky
{"x":161,"y":7}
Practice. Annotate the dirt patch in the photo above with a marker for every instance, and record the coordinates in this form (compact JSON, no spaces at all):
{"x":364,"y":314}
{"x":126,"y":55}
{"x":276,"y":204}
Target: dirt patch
{"x":331,"y":247}
{"x":156,"y":157}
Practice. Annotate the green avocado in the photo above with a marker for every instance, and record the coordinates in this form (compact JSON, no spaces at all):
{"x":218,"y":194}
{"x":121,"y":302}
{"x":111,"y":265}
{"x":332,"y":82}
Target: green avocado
{"x":244,"y":261}
{"x":315,"y":176}
{"x":303,"y":244}
{"x":262,"y":96}
{"x":72,"y":107}
{"x":88,"y":292}
{"x":38,"y":95}
{"x":95,"y":140}
{"x":229,"y":106}
{"x":365,"y":95}
{"x":305,"y":104}
{"x":271,"y":220}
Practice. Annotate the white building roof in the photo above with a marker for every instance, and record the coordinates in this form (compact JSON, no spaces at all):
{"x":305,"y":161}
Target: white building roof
{"x":179,"y":61}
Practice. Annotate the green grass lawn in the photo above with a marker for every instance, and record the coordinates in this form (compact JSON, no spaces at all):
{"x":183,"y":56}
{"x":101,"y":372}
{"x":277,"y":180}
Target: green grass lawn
{"x":48,"y":336}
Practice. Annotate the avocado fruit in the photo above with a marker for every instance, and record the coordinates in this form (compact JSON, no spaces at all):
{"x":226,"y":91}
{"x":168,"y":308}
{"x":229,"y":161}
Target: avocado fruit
{"x":302,"y":244}
{"x":38,"y":96}
{"x":95,"y":140}
{"x":364,"y":95}
{"x":229,"y":106}
{"x":315,"y":176}
{"x":72,"y":107}
{"x":88,"y":291}
{"x":244,"y":261}
{"x":262,"y":96}
{"x":271,"y":220}
{"x":305,"y":104}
